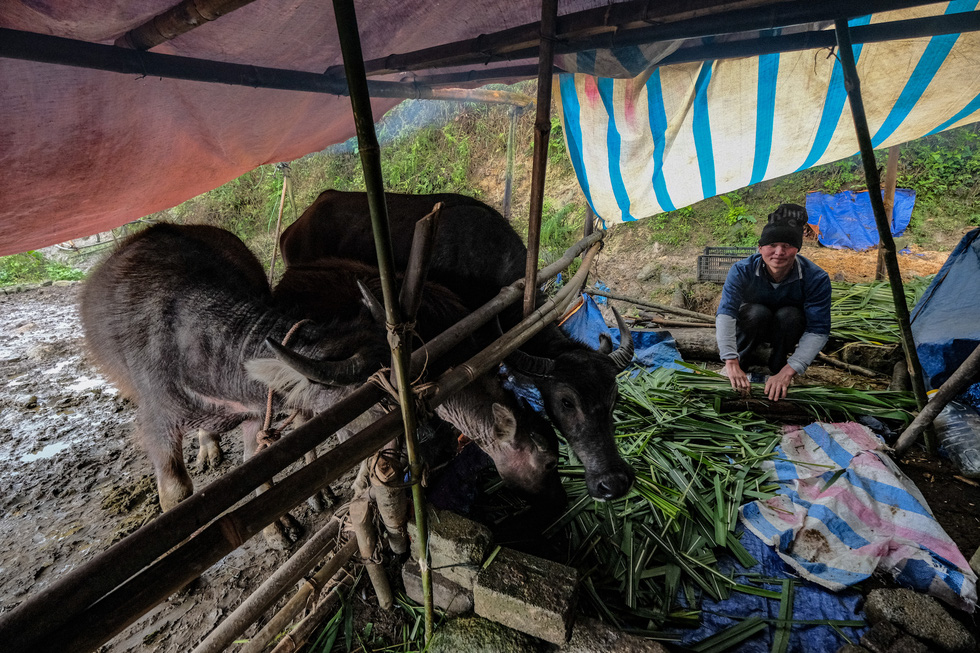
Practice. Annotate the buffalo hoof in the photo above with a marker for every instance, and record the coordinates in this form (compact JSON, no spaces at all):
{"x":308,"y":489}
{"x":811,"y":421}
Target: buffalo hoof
{"x":323,"y":500}
{"x":283,"y":533}
{"x":209,"y":452}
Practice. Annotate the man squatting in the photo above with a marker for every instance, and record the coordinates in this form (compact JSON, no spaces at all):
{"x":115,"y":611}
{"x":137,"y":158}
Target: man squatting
{"x":777,"y":297}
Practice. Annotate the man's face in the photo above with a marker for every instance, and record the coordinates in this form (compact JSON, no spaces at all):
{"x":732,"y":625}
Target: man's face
{"x":778,"y":257}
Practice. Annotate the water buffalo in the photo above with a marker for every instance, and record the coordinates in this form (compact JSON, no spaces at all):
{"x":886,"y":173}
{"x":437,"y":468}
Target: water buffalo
{"x":476,"y":253}
{"x":525,"y":454}
{"x":175,"y":316}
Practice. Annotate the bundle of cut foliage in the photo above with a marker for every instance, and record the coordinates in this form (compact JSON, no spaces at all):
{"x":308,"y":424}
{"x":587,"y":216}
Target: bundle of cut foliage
{"x":865,"y":312}
{"x":648,"y":558}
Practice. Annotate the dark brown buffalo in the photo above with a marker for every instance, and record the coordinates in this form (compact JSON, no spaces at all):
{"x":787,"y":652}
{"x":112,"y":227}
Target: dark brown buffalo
{"x":525,"y":454}
{"x":180,"y":318}
{"x":476,"y":253}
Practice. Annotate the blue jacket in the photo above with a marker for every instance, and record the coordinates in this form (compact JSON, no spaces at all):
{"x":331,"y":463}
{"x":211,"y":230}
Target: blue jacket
{"x":806,"y":287}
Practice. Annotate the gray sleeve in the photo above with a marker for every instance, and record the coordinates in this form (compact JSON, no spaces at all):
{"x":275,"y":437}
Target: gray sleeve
{"x":810,"y":345}
{"x":725,"y":334}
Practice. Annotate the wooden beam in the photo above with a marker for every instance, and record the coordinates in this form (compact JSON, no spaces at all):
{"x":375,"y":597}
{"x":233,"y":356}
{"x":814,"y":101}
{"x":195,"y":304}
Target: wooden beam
{"x":177,"y":20}
{"x":891,"y":180}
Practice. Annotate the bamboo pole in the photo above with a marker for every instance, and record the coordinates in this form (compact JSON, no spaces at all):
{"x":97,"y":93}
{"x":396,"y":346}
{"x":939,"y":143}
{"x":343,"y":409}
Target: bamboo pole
{"x":283,"y":617}
{"x":312,"y":551}
{"x":367,"y":544}
{"x":298,"y":636}
{"x":177,"y":20}
{"x":539,"y":161}
{"x":891,"y":180}
{"x":370,"y":152}
{"x":958,"y":381}
{"x":660,"y":307}
{"x":509,"y":173}
{"x":853,"y":86}
{"x":30,"y":46}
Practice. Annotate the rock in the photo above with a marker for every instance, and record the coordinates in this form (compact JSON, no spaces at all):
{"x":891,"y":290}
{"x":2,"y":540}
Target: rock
{"x":648,"y":271}
{"x":852,"y":648}
{"x":881,"y":637}
{"x":527,"y":593}
{"x":919,"y":615}
{"x":457,"y":546}
{"x":446,"y":595}
{"x":477,"y":635}
{"x":679,"y":298}
{"x":26,"y":401}
{"x":975,"y":562}
{"x":593,"y":636}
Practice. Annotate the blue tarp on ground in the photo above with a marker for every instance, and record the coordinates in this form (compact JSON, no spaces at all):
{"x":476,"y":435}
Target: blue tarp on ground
{"x":846,"y":221}
{"x":946,"y":320}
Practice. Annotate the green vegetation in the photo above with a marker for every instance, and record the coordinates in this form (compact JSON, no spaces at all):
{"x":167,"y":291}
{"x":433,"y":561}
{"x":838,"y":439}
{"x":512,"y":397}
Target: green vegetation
{"x":32,"y":267}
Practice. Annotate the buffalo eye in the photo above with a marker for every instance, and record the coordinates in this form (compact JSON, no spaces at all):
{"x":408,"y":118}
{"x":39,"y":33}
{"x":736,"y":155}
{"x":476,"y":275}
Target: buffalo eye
{"x":567,"y":403}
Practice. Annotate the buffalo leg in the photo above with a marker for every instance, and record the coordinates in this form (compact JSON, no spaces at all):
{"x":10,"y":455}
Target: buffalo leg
{"x":320,"y":500}
{"x":174,"y":484}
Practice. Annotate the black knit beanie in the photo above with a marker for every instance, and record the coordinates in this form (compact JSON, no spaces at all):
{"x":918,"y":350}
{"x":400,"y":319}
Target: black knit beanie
{"x":785,"y":226}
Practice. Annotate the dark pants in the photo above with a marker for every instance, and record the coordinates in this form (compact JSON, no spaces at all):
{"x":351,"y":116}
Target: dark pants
{"x":781,"y":328}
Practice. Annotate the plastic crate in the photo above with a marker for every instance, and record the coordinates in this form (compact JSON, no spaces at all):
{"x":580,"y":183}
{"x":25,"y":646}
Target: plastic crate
{"x":714,"y":264}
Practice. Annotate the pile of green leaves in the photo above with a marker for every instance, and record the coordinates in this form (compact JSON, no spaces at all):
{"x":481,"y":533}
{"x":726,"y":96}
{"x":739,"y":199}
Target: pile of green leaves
{"x":650,"y":557}
{"x":865,"y":312}
{"x":31,"y":267}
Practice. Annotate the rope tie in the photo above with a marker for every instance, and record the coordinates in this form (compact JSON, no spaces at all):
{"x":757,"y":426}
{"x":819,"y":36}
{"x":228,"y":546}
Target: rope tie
{"x":268,"y":435}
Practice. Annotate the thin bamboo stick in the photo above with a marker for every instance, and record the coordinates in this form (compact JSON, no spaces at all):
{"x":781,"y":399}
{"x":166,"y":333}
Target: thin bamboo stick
{"x":853,"y":86}
{"x":509,"y":173}
{"x":304,"y":629}
{"x":281,"y":619}
{"x":856,"y":369}
{"x":539,"y":159}
{"x":660,"y":307}
{"x":269,"y":592}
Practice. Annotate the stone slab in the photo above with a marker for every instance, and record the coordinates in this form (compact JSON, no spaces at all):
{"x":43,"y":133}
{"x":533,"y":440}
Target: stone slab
{"x":529,"y":594}
{"x":457,"y":546}
{"x":446,"y":595}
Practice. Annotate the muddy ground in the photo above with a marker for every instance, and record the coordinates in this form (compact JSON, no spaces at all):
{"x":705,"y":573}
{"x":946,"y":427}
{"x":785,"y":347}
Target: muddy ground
{"x":75,"y":481}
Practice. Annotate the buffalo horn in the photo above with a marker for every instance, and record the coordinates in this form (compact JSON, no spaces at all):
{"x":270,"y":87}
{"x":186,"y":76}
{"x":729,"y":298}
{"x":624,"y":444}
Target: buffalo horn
{"x":530,"y":365}
{"x":623,"y":355}
{"x":334,"y":373}
{"x":372,"y":303}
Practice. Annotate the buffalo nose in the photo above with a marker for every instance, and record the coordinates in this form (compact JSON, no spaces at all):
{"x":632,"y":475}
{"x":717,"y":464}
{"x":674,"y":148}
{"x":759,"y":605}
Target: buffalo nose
{"x":613,"y":485}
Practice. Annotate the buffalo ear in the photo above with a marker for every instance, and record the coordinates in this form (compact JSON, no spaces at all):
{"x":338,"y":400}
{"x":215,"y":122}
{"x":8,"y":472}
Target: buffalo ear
{"x":504,"y":424}
{"x":605,"y":343}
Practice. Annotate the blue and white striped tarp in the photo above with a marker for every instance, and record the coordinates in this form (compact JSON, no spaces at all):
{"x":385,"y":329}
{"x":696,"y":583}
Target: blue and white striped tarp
{"x":673,"y":135}
{"x":844,"y":510}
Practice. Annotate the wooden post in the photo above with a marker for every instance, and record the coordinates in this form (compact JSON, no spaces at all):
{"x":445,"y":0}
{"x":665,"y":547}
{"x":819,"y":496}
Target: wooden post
{"x":853,"y":86}
{"x":509,"y":174}
{"x":589,"y":221}
{"x":891,"y":179}
{"x":370,"y":151}
{"x":542,"y":132}
{"x":367,"y":544}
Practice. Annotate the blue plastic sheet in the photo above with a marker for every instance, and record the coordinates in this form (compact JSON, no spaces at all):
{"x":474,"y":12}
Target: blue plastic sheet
{"x":946,"y":320}
{"x":811,"y":603}
{"x":846,"y":221}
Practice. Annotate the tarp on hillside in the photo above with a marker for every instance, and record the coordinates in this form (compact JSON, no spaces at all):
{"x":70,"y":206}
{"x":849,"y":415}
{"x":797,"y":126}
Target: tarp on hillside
{"x":674,"y":135}
{"x":846,"y":220}
{"x":946,"y":320}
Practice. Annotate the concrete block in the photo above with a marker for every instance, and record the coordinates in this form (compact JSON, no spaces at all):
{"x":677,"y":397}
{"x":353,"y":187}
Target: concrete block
{"x":529,"y":594}
{"x":908,"y":644}
{"x":921,"y":616}
{"x":476,"y":635}
{"x":457,"y":546}
{"x":446,"y":595}
{"x":593,"y":636}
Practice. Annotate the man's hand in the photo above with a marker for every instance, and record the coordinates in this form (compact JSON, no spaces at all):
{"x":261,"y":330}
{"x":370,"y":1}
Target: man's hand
{"x":736,"y":376}
{"x":777,"y":384}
